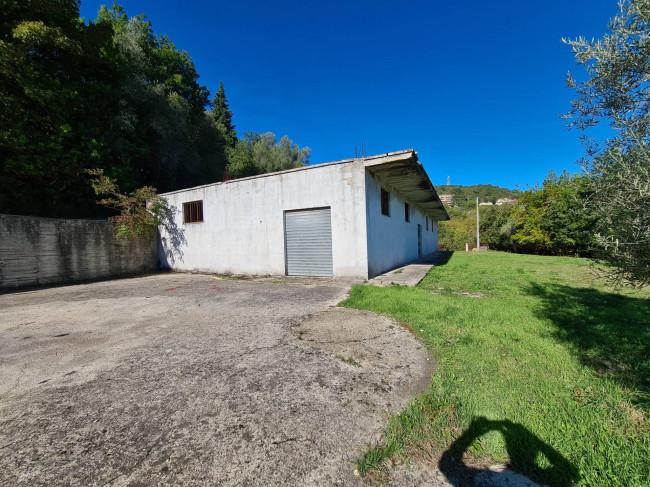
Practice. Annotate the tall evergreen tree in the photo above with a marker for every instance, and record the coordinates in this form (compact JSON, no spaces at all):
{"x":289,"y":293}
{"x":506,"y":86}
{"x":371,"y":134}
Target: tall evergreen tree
{"x":223,"y":116}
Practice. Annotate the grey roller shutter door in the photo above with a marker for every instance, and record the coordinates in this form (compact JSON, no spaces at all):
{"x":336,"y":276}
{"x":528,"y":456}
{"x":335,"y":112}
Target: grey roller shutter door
{"x":308,"y":242}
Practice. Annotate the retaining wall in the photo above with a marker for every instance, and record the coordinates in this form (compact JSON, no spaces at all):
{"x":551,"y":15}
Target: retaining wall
{"x":36,"y":251}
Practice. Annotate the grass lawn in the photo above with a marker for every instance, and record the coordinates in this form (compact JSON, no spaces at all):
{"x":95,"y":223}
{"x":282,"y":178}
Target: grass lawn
{"x":548,"y":371}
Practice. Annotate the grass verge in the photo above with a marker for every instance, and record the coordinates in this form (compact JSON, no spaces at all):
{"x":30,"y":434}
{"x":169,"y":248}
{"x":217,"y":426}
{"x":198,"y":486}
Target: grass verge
{"x":549,"y":371}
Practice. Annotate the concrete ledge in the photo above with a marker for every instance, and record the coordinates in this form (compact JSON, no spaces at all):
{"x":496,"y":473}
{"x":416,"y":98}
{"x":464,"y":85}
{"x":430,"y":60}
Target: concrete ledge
{"x":412,"y":273}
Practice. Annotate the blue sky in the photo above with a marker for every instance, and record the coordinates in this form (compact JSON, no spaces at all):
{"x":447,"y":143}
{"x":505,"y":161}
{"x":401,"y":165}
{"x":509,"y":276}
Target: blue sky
{"x":476,"y":87}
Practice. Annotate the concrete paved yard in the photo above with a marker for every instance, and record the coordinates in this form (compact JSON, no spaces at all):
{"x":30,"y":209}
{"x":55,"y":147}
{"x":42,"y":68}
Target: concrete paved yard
{"x":191,"y":379}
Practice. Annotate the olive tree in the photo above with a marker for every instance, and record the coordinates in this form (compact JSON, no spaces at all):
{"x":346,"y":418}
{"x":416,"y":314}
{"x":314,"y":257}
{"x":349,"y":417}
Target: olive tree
{"x":615,"y":90}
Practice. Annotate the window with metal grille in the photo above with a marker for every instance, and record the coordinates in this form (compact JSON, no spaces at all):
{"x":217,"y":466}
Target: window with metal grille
{"x":193,"y":212}
{"x":385,"y":202}
{"x":407,"y":216}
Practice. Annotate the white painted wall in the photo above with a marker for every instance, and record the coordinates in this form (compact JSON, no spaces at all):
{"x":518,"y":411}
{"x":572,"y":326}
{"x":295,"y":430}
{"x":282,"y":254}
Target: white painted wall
{"x":243,"y":228}
{"x":392,"y":241}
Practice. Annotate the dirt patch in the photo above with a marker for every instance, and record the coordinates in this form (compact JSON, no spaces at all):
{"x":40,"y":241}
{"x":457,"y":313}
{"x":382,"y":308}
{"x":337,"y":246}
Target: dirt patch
{"x":421,"y":473}
{"x":387,"y":353}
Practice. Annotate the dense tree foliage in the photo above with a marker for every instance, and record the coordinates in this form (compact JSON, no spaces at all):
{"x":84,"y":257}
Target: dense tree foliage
{"x":158,"y":132}
{"x":498,"y":226}
{"x":460,"y":230}
{"x":262,"y":153}
{"x":616,"y":91}
{"x":549,"y":219}
{"x":552,"y":219}
{"x":58,"y":77}
{"x":109,"y":95}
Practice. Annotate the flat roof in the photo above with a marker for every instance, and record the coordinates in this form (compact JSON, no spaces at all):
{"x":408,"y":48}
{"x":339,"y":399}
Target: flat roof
{"x":400,"y":171}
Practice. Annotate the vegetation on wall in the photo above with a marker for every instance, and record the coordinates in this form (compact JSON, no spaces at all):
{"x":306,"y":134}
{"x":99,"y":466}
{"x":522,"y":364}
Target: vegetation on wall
{"x":140,"y":211}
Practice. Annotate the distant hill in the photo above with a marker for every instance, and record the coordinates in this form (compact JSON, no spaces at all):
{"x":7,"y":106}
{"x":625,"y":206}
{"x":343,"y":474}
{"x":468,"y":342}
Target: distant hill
{"x":484,"y":192}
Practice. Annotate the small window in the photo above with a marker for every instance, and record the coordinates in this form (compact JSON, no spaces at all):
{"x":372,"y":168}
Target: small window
{"x":427,"y":219}
{"x":385,"y":202}
{"x":193,"y":212}
{"x":407,"y":216}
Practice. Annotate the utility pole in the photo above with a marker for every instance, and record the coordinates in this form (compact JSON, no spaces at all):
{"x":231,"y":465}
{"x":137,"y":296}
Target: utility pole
{"x":478,"y":240}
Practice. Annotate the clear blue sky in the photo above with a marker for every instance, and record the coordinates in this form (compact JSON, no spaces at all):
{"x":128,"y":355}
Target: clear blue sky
{"x":476,"y":87}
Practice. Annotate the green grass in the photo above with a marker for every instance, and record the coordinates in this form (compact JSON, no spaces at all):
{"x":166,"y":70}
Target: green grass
{"x":549,"y":371}
{"x":348,"y":360}
{"x":229,"y":278}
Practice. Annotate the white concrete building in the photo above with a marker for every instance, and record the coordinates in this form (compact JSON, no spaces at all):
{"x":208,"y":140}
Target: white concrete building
{"x":352,"y":218}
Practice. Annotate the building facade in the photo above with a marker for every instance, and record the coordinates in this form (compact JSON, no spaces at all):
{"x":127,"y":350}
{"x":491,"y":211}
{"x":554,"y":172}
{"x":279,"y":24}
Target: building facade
{"x":353,"y":218}
{"x":447,"y":199}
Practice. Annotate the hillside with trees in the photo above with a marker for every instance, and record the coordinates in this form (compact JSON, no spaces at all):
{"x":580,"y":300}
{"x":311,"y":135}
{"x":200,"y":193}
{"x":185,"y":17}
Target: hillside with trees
{"x":551,"y":219}
{"x":110,"y":96}
{"x":484,"y":192}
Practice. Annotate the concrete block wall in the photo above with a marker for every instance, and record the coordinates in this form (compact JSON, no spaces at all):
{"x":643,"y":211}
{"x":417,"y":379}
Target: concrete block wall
{"x":37,"y":251}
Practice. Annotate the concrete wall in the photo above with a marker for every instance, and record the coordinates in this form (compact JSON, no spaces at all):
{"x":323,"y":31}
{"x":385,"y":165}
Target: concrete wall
{"x":392,"y":241}
{"x":243,"y":228}
{"x":36,"y":251}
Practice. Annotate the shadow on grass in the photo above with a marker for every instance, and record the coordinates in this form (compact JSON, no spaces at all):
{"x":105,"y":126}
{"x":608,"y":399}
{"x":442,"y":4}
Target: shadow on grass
{"x":437,"y":258}
{"x":610,"y":332}
{"x":524,"y":449}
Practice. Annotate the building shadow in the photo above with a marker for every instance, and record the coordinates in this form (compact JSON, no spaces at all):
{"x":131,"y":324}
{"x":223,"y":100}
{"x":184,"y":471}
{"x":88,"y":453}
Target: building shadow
{"x":524,"y":450}
{"x":437,"y":258}
{"x":609,"y":333}
{"x":171,"y":243}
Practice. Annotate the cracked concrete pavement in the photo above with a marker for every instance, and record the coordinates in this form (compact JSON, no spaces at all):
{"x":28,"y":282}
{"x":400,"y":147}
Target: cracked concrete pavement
{"x":190,"y":379}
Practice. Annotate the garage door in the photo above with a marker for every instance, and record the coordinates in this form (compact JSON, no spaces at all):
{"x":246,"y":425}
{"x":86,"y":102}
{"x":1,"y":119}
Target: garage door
{"x":308,"y":242}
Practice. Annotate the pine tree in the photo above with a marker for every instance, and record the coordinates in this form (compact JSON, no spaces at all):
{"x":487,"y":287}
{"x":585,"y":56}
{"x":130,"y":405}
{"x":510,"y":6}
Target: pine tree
{"x":223,"y":116}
